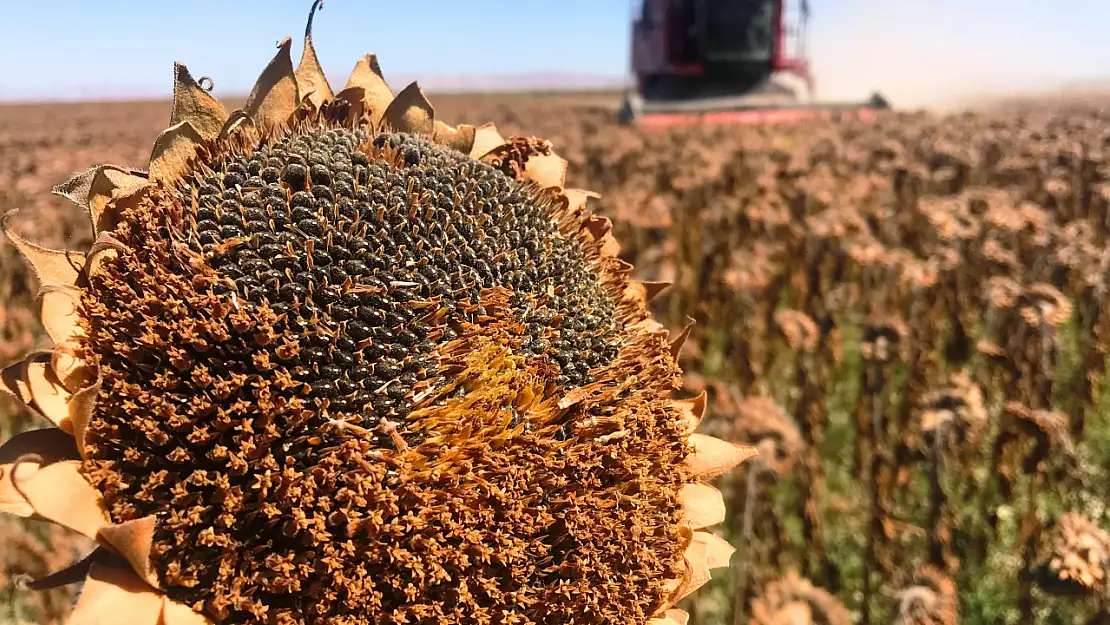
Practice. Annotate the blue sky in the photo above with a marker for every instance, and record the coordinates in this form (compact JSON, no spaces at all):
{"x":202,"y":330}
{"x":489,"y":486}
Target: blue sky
{"x":910,"y":49}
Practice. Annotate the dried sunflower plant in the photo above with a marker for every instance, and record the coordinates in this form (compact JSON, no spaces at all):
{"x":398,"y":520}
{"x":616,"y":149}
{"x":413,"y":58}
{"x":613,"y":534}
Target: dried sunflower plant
{"x":331,"y":360}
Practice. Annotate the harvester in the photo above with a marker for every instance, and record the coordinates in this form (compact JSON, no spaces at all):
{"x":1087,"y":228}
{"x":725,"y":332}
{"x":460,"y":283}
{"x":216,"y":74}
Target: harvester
{"x":726,"y":61}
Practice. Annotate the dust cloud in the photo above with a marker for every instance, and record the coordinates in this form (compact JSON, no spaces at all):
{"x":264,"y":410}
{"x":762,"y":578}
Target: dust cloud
{"x":923,"y":55}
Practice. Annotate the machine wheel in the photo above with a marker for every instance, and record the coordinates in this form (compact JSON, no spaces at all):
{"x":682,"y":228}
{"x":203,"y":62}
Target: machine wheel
{"x":631,"y":107}
{"x":878,"y":102}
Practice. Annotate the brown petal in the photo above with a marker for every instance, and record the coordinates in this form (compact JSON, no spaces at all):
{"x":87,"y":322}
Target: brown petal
{"x":486,"y":138}
{"x":69,"y":369}
{"x":132,"y":539}
{"x":718,"y":550}
{"x":548,"y":170}
{"x":676,"y":345}
{"x":674,"y":616}
{"x":653,"y":289}
{"x":576,"y":198}
{"x":51,"y":267}
{"x":236,"y":121}
{"x":367,"y":75}
{"x":173,"y":149}
{"x":713,"y":456}
{"x":195,"y":105}
{"x":692,"y":410}
{"x":101,"y":186}
{"x":702,"y":505}
{"x":103,"y":250}
{"x":460,"y":138}
{"x":644,"y":292}
{"x":59,"y":493}
{"x":410,"y":112}
{"x":274,"y":97}
{"x":311,"y":82}
{"x":59,"y":311}
{"x":13,"y":381}
{"x":174,"y":613}
{"x":704,"y":553}
{"x":598,"y":227}
{"x":113,"y":595}
{"x":697,"y":568}
{"x":24,"y":455}
{"x":81,"y":407}
{"x":51,"y":398}
{"x":651,"y":326}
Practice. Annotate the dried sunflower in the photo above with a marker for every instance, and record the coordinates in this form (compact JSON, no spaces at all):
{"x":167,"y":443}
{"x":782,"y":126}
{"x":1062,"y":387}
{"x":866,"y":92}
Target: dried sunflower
{"x":1075,"y":558}
{"x":332,"y":360}
{"x":956,"y":410}
{"x":799,"y":329}
{"x":930,"y":600}
{"x":795,"y":600}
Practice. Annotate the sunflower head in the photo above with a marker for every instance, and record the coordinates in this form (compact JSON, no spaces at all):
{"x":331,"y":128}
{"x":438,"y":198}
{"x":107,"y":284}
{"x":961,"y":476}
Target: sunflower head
{"x":929,"y":600}
{"x":794,"y":600}
{"x":332,"y":360}
{"x":1075,"y":558}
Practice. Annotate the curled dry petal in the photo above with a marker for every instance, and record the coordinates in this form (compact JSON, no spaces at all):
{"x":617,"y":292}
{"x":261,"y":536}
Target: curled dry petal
{"x":49,"y":396}
{"x":24,"y":455}
{"x":376,"y":93}
{"x":114,"y":594}
{"x":673,"y":616}
{"x":692,"y":410}
{"x":193,"y":104}
{"x":173,"y":151}
{"x":274,"y":96}
{"x":546,"y":170}
{"x":713,"y":456}
{"x":98,"y":188}
{"x":133,"y":539}
{"x":486,"y":138}
{"x":459,"y":138}
{"x":311,"y":82}
{"x":59,"y":493}
{"x":58,"y":310}
{"x":411,"y":112}
{"x":53,"y":268}
{"x":702,"y":505}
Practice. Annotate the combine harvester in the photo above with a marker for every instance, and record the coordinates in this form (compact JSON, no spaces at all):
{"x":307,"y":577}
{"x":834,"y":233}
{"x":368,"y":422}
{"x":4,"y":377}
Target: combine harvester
{"x":726,"y":62}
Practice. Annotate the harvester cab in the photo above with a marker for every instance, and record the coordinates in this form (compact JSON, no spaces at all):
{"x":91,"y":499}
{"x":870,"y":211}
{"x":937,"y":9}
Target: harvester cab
{"x":725,"y":61}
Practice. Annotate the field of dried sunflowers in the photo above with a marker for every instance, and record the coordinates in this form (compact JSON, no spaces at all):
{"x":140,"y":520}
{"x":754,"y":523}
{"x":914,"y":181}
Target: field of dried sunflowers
{"x":904,"y":316}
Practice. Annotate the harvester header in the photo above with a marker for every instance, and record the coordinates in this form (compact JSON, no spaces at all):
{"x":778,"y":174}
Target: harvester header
{"x":726,"y":61}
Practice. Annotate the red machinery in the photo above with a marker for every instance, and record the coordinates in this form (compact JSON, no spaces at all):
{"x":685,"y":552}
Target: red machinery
{"x":725,"y":61}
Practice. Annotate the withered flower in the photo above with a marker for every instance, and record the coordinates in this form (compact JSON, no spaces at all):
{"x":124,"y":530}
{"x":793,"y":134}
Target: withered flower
{"x":1004,"y":217}
{"x":760,"y":421}
{"x":930,"y":600}
{"x":1043,"y":304}
{"x":866,"y":250}
{"x":800,"y":331}
{"x":883,"y":339}
{"x":331,"y":360}
{"x":1075,"y":558}
{"x":999,"y":259}
{"x":1047,"y":429}
{"x":793,"y":600}
{"x":956,"y":410}
{"x":1002,"y":293}
{"x":751,"y":268}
